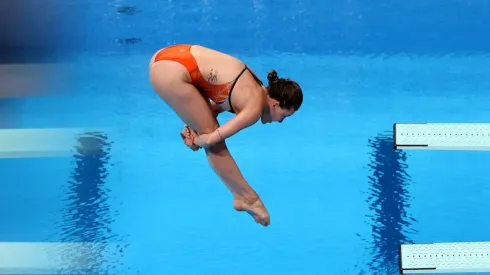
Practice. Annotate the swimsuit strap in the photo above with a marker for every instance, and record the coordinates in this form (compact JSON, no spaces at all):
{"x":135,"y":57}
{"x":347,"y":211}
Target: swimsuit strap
{"x":235,"y":81}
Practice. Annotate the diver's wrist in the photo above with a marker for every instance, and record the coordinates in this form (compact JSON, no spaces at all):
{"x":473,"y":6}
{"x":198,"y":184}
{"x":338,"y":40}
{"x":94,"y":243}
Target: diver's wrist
{"x":215,"y":137}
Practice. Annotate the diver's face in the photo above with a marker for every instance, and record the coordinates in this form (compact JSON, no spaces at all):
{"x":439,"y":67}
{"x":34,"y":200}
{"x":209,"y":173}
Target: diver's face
{"x":276,"y":113}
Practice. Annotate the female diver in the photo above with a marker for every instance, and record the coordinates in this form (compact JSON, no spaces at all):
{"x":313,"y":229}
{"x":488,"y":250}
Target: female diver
{"x":198,"y":83}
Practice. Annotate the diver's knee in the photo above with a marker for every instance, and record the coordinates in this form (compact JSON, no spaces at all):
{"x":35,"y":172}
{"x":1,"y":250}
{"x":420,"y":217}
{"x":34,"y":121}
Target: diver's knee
{"x":217,"y":148}
{"x":208,"y":129}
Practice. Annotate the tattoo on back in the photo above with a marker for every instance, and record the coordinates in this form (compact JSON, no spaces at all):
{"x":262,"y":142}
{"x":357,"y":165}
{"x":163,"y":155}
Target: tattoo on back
{"x":212,"y":76}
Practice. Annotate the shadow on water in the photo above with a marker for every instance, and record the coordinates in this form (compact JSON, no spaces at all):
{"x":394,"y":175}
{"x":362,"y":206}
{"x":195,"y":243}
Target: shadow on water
{"x":87,"y":215}
{"x":128,"y":10}
{"x":389,"y":205}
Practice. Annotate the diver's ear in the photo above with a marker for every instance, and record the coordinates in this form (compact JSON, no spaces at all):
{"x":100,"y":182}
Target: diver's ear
{"x":275,"y":103}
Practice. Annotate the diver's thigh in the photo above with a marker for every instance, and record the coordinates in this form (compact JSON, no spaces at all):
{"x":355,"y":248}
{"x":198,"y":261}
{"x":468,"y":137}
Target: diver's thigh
{"x":187,"y":102}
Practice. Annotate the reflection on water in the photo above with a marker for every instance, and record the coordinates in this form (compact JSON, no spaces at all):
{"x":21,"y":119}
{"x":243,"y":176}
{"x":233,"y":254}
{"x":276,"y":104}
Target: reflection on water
{"x":87,"y":215}
{"x":388,"y":202}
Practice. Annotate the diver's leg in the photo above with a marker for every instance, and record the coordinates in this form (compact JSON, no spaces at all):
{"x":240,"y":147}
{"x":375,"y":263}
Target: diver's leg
{"x":168,"y":80}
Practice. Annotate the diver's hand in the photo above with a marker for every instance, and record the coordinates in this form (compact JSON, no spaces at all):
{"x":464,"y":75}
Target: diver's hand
{"x":255,"y":208}
{"x":188,"y":135}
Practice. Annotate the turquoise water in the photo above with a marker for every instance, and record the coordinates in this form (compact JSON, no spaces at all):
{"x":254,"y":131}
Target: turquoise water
{"x":341,"y":199}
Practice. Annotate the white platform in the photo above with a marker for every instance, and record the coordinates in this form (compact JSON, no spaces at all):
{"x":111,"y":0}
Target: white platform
{"x":53,"y":258}
{"x":442,"y":136}
{"x":33,"y":143}
{"x":455,"y":257}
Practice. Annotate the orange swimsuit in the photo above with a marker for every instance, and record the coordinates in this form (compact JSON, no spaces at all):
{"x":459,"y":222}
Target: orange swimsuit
{"x":219,"y":93}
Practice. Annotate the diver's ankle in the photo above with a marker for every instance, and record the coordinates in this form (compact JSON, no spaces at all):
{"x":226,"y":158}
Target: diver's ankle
{"x":248,"y":198}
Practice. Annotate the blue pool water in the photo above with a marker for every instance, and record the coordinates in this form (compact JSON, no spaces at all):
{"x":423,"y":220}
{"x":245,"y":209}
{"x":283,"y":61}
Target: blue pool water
{"x":341,"y":199}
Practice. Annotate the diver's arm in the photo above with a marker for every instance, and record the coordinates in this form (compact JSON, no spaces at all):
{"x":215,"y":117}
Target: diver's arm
{"x":246,"y":118}
{"x":249,"y":115}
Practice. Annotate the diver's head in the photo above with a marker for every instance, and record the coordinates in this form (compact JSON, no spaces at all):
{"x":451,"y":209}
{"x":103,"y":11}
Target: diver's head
{"x":284,"y":98}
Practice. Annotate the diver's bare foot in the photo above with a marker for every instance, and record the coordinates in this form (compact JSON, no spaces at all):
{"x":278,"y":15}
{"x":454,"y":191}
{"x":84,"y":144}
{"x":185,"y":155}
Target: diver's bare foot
{"x":255,"y":208}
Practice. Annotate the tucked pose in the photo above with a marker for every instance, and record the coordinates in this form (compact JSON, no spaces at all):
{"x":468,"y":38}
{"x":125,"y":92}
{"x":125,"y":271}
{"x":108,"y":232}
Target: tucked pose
{"x":198,"y":83}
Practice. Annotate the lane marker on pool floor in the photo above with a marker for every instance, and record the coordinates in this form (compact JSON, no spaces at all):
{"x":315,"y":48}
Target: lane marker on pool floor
{"x":442,"y":136}
{"x":451,"y":257}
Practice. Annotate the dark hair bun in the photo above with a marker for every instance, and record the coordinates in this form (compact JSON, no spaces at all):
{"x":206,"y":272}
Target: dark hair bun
{"x":272,"y":76}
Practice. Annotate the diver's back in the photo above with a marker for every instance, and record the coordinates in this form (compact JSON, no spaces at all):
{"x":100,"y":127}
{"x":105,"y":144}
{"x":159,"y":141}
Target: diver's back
{"x":212,"y":60}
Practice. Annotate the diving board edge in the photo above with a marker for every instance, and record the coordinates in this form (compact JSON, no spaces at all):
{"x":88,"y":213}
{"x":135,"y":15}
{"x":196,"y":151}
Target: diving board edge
{"x":445,"y":257}
{"x":46,"y":142}
{"x":442,"y":136}
{"x":397,"y":146}
{"x":410,"y":270}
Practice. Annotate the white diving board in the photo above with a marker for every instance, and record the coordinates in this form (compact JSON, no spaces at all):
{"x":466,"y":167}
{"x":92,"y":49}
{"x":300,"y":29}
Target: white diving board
{"x":442,"y":136}
{"x":55,"y":257}
{"x":456,"y":257}
{"x":32,"y":143}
